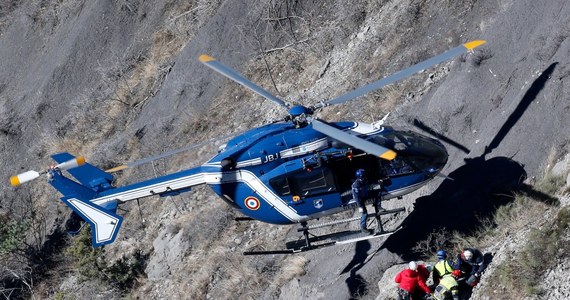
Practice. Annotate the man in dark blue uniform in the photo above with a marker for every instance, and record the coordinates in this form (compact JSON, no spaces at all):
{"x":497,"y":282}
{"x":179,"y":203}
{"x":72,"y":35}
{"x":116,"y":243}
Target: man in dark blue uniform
{"x":472,"y":263}
{"x":359,"y":193}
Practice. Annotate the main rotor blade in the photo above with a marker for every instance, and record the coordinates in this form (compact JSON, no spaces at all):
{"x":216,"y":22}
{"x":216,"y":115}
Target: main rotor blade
{"x":170,"y":153}
{"x":354,"y":141}
{"x":237,"y":77}
{"x":406,"y":72}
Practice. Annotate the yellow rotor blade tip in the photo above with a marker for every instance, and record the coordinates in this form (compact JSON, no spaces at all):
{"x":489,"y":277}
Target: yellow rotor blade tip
{"x":474,"y":44}
{"x":206,"y":58}
{"x":14,"y":181}
{"x":388,"y":155}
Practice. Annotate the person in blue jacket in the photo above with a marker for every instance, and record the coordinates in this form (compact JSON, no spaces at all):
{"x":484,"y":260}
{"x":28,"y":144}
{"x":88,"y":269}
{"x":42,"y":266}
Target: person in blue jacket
{"x":472,"y":263}
{"x":359,"y":193}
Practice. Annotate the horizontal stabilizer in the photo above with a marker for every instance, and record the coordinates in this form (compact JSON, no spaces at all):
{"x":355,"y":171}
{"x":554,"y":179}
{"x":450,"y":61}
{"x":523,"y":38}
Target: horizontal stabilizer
{"x":87,"y":174}
{"x":104,"y":224}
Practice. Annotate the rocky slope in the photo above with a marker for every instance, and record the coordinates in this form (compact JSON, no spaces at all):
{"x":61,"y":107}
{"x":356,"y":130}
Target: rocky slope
{"x":119,"y":80}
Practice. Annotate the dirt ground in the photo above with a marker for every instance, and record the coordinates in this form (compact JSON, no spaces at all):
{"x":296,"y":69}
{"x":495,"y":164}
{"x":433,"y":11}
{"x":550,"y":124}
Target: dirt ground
{"x":120,"y":80}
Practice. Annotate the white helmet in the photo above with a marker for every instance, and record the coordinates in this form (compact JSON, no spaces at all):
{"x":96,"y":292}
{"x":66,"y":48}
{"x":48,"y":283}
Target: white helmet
{"x":413,"y":266}
{"x":467,"y":254}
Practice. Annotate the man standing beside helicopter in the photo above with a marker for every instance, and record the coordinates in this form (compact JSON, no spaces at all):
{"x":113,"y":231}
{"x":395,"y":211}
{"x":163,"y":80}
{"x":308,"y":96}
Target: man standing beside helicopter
{"x":359,"y":192}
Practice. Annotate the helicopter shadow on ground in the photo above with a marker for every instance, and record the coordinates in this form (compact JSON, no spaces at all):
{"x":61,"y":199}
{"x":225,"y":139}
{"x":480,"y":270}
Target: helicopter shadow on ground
{"x":477,"y":190}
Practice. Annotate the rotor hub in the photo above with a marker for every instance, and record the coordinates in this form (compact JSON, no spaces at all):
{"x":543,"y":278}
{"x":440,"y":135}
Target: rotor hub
{"x":298,"y":110}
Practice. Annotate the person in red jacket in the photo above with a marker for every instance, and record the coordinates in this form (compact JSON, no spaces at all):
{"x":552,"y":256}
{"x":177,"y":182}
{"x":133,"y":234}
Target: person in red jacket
{"x":425,"y":272}
{"x":409,"y":280}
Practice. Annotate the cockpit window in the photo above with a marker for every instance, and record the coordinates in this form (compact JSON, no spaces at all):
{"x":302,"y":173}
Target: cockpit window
{"x":397,"y":166}
{"x":415,"y":152}
{"x":389,"y":141}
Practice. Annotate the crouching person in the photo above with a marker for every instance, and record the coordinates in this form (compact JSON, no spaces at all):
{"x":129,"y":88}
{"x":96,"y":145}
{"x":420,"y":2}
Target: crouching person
{"x":472,"y":262}
{"x":448,"y":288}
{"x":409,"y":281}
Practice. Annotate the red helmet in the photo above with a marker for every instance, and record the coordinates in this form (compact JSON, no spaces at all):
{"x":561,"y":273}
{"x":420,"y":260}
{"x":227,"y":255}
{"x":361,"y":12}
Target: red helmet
{"x":456,"y":273}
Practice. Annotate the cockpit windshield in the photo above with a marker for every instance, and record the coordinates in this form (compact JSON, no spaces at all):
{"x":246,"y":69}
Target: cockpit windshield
{"x":415,"y":152}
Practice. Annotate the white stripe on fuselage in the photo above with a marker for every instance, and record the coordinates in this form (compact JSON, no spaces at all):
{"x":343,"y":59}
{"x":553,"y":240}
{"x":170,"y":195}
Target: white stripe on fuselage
{"x":304,"y":148}
{"x":360,"y":128}
{"x":210,"y":178}
{"x":248,"y":163}
{"x":153,"y":189}
{"x":258,"y":187}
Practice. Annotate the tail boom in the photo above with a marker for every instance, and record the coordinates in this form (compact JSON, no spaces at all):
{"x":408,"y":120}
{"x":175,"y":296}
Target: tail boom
{"x":98,"y":208}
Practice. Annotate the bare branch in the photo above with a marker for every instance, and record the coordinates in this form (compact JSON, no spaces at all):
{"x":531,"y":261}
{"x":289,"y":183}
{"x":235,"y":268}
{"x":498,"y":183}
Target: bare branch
{"x":286,"y":46}
{"x":282,"y":18}
{"x":183,"y":14}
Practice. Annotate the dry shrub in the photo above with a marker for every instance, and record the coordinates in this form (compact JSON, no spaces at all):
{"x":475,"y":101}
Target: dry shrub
{"x":199,"y":271}
{"x":239,"y":280}
{"x":551,"y":184}
{"x":514,"y":216}
{"x":140,"y":77}
{"x":507,"y":219}
{"x":522,"y":274}
{"x":436,"y":240}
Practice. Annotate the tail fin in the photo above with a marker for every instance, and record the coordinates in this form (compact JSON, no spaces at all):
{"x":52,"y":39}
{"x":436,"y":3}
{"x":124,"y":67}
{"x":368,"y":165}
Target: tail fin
{"x":104,"y":224}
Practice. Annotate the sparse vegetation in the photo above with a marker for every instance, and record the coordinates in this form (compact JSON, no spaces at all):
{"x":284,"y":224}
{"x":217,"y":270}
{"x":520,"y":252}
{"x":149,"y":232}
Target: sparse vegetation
{"x":22,"y":248}
{"x":507,"y":219}
{"x":543,"y":250}
{"x":551,"y":184}
{"x":436,"y":240}
{"x":520,"y":274}
{"x":91,"y":263}
{"x":12,"y":235}
{"x":87,"y":260}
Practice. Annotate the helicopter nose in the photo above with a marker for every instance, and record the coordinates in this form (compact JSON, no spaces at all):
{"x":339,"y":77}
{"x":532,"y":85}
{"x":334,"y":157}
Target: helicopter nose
{"x":438,"y":155}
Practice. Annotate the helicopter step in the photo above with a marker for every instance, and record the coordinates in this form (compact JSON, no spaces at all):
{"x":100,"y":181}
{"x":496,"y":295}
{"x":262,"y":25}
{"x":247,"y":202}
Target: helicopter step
{"x":360,"y":236}
{"x":380,"y":213}
{"x":337,"y":238}
{"x":342,"y":237}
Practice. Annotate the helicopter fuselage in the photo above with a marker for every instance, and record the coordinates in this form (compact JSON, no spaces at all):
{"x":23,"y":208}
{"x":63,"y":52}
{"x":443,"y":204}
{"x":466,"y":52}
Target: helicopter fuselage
{"x":282,"y":174}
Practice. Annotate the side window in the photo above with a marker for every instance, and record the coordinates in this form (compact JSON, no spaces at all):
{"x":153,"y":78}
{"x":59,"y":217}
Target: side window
{"x":311,"y":183}
{"x":305,"y":183}
{"x":280,"y":185}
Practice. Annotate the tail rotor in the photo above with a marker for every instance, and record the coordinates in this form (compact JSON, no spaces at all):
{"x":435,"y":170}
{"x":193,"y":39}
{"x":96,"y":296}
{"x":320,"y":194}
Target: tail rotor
{"x":27,"y":176}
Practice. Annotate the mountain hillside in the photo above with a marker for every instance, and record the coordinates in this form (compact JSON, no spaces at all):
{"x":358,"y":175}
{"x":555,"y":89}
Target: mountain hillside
{"x":117,"y":81}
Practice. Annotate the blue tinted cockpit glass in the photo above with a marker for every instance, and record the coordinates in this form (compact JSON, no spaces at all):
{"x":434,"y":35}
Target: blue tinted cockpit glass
{"x":415,"y":152}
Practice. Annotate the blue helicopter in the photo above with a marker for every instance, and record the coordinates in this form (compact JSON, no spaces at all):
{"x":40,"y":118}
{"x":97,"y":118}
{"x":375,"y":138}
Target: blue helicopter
{"x":292,"y":171}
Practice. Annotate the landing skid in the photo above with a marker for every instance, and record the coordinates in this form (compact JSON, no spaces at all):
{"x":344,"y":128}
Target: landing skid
{"x":331,"y":239}
{"x":338,"y":238}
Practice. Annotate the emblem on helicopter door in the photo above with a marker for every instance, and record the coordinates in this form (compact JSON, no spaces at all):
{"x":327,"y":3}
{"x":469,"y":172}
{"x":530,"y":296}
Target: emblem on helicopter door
{"x":318,"y":203}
